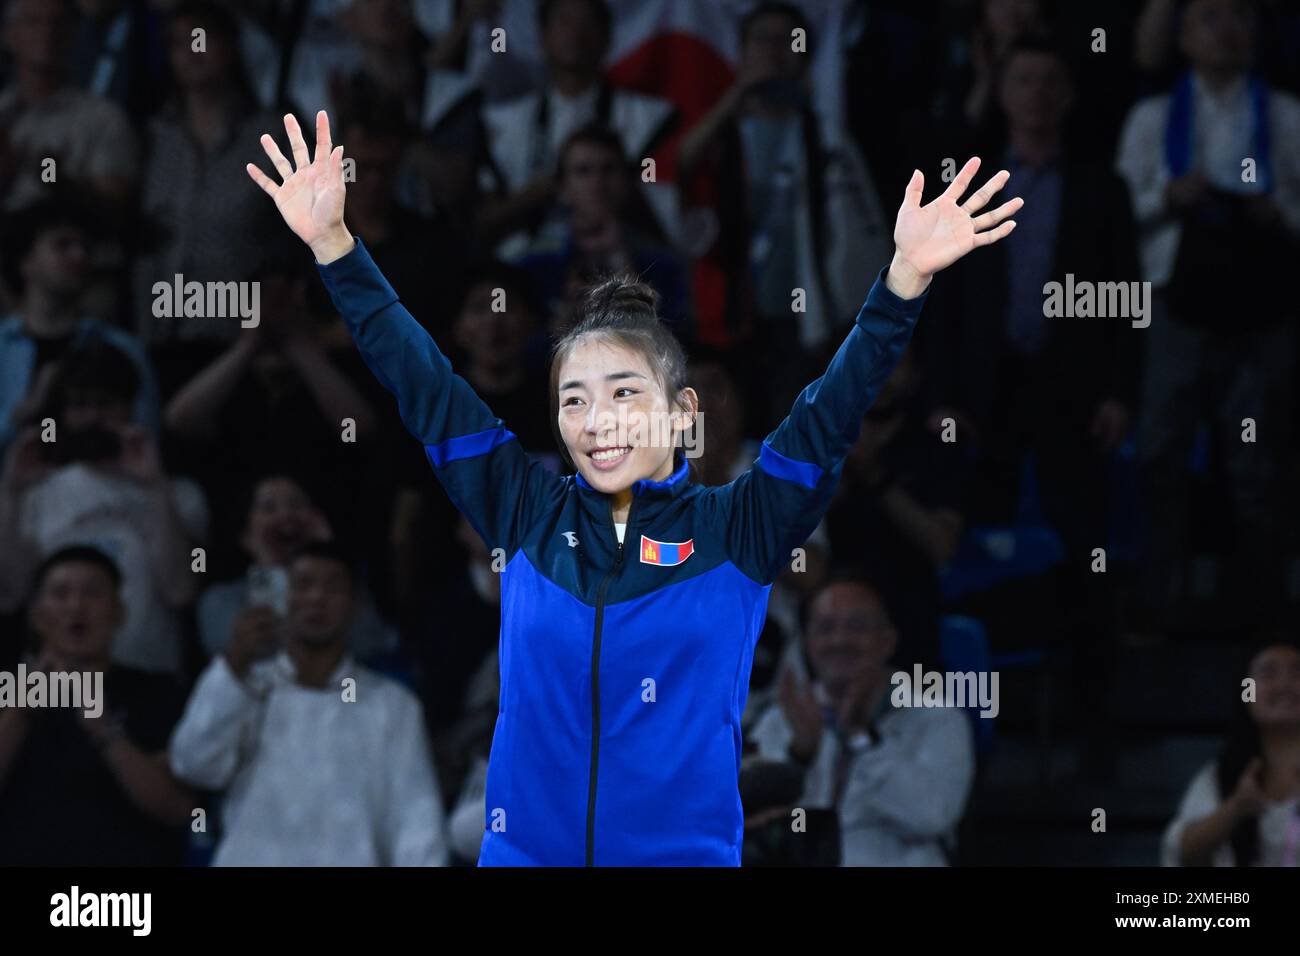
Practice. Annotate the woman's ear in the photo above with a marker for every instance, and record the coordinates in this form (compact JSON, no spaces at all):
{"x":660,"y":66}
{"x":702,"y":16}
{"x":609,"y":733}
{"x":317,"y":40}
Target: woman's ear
{"x":688,"y":405}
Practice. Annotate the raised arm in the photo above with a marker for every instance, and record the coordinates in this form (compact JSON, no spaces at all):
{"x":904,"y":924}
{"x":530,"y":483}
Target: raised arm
{"x":218,"y":731}
{"x":773,"y":507}
{"x":478,"y":460}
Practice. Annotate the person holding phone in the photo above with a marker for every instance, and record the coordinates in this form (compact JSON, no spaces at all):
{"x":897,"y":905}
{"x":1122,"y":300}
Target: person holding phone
{"x":93,"y":476}
{"x":322,"y":761}
{"x":277,"y":516}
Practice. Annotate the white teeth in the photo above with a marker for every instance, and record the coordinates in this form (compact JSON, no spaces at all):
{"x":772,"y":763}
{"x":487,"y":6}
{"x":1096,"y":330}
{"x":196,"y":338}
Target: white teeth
{"x":609,"y":454}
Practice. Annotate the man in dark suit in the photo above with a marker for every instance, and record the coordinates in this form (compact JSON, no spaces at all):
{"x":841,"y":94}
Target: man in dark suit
{"x":1018,"y":377}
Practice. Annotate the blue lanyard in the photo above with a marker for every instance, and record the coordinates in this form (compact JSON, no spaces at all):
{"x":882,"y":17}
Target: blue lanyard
{"x":1179,"y":129}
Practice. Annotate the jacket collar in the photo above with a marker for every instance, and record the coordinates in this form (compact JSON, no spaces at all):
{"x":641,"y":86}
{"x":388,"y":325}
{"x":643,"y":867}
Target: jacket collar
{"x":670,"y":487}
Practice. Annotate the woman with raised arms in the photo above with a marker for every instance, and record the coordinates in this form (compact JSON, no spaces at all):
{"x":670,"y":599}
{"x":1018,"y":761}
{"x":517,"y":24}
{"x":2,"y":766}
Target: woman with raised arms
{"x":631,"y":598}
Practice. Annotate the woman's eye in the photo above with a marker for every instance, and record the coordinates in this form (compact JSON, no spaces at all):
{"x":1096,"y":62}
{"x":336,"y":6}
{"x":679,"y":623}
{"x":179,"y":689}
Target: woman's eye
{"x":629,"y":391}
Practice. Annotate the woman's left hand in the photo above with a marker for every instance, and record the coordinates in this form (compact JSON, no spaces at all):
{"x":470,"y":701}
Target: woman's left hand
{"x":932,"y":237}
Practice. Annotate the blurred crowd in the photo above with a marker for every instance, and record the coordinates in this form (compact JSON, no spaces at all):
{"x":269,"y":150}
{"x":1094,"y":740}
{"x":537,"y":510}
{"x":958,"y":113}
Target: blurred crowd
{"x":299,"y":631}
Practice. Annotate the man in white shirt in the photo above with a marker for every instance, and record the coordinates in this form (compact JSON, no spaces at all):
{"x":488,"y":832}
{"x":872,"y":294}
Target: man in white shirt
{"x":898,"y":776}
{"x":1214,"y":174}
{"x":323,"y":762}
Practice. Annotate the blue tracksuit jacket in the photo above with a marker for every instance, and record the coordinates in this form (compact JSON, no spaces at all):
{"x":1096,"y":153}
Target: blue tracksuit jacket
{"x":623,"y":676}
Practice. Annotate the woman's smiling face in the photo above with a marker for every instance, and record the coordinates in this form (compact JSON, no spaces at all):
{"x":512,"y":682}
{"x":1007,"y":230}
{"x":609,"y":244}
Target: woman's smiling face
{"x":614,"y":416}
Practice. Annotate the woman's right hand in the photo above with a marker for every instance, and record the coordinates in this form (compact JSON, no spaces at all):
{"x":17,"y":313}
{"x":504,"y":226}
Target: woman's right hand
{"x":310,"y":198}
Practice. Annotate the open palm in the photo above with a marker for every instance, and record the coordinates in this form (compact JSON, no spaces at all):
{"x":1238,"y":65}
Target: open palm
{"x":934,"y":236}
{"x":310,"y":198}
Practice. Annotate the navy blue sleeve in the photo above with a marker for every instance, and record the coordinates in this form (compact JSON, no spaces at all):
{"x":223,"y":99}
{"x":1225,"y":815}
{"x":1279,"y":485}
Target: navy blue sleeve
{"x":774,"y":506}
{"x":480,"y":463}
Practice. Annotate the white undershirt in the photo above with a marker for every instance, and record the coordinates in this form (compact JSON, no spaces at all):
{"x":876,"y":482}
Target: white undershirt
{"x":620,"y":527}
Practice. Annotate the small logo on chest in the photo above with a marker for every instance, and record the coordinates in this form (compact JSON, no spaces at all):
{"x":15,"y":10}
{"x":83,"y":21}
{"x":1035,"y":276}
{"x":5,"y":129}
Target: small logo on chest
{"x":665,"y":553}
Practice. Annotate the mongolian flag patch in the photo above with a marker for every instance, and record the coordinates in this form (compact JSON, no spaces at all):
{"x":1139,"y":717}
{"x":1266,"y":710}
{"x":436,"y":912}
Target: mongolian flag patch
{"x":665,"y":553}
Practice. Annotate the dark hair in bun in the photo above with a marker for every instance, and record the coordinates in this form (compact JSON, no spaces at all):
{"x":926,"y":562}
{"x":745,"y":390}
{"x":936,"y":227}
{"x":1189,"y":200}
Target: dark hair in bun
{"x":619,"y":300}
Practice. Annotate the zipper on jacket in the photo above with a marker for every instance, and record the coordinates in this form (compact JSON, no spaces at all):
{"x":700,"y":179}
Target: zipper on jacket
{"x":595,"y":683}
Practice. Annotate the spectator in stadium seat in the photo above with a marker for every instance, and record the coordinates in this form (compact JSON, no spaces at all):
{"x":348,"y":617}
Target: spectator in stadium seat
{"x":966,"y":106}
{"x":1243,"y":808}
{"x":323,"y":762}
{"x":524,"y":135}
{"x":101,"y":481}
{"x":280,"y":518}
{"x":1156,"y":41}
{"x":898,"y":776}
{"x":798,"y":218}
{"x":1214,"y":170}
{"x":78,"y":790}
{"x":375,"y":43}
{"x":45,"y":250}
{"x":599,"y":233}
{"x":495,"y":325}
{"x":463,"y":57}
{"x":193,"y":190}
{"x":42,"y":115}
